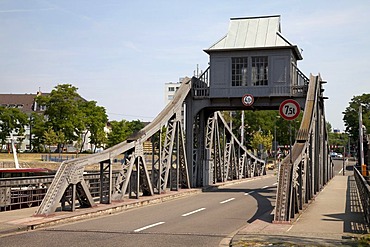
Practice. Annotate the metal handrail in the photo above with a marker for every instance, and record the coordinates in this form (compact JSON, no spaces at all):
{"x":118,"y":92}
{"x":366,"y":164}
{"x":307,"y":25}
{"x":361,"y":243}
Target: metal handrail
{"x":300,"y":76}
{"x":200,"y":85}
{"x":364,"y":191}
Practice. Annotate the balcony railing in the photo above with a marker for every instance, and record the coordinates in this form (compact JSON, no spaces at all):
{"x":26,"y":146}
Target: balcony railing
{"x":298,"y":78}
{"x":297,"y":87}
{"x":201,"y":85}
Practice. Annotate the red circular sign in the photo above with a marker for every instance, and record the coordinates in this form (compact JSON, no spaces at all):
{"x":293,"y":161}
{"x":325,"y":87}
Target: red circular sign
{"x":289,"y":109}
{"x":248,"y":99}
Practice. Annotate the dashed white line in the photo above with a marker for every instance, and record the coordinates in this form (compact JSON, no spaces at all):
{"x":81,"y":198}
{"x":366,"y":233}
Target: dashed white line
{"x":228,"y":200}
{"x":290,"y":228}
{"x":149,"y":226}
{"x":341,"y":170}
{"x":250,"y":192}
{"x":193,"y":212}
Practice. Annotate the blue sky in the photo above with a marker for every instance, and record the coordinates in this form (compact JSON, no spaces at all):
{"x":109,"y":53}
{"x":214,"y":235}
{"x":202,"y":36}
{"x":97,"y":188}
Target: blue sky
{"x":120,"y":53}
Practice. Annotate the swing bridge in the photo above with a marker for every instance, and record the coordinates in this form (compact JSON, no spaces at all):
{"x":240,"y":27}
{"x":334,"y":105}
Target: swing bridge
{"x":189,"y":144}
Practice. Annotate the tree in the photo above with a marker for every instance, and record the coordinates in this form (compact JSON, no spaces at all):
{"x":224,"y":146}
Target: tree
{"x":12,"y":121}
{"x":50,"y":138}
{"x":121,"y":130}
{"x":350,"y":117}
{"x":63,"y":112}
{"x":38,"y":128}
{"x":258,"y":139}
{"x":266,"y":121}
{"x":95,"y":119}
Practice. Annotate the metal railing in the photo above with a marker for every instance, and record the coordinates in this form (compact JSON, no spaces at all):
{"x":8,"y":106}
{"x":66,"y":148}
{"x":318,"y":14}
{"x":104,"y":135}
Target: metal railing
{"x":201,"y":85}
{"x":18,"y":193}
{"x":364,"y":192}
{"x":299,"y":79}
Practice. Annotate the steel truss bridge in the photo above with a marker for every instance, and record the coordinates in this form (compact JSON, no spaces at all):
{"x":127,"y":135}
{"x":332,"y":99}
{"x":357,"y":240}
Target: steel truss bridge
{"x":212,"y":154}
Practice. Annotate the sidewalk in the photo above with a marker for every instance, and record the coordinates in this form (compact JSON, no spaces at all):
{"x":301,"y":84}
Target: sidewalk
{"x":333,"y":218}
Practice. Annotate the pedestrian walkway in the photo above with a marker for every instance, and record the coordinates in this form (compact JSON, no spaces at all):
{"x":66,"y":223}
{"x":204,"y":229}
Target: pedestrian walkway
{"x":333,"y":218}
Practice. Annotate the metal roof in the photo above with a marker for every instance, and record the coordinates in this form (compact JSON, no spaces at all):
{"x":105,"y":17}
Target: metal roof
{"x":253,"y":32}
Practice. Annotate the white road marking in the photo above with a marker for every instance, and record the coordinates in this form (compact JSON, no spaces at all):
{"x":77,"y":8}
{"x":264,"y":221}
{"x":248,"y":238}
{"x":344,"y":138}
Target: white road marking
{"x":290,"y":228}
{"x":228,"y":200}
{"x":340,"y":171}
{"x":250,"y":192}
{"x":264,"y":187}
{"x":149,"y":226}
{"x":193,"y":212}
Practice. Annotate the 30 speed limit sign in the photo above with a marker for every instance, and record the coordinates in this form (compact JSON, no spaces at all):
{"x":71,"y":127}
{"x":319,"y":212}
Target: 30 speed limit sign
{"x":289,"y":109}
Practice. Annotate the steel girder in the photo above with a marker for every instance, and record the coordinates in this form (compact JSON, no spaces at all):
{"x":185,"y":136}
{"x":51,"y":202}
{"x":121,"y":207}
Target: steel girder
{"x":305,"y":171}
{"x":134,"y":178}
{"x":226,"y":158}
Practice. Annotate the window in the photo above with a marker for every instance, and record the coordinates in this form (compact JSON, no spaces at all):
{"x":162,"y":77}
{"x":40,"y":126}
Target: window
{"x":239,"y":69}
{"x":171,"y":89}
{"x":170,"y":97}
{"x":259,"y":71}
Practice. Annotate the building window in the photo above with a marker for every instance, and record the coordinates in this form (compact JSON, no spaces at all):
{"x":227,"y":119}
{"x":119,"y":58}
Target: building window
{"x":239,"y":69}
{"x":171,"y":89}
{"x":259,"y":71}
{"x":170,"y":97}
{"x":42,"y":107}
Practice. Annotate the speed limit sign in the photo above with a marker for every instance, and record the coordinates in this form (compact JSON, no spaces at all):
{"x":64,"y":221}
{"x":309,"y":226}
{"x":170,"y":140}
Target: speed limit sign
{"x":289,"y":109}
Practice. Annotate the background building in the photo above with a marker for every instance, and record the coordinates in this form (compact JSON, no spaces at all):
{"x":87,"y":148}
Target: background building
{"x":170,"y":89}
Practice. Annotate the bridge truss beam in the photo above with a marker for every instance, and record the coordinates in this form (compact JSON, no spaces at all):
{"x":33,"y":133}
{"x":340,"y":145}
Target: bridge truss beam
{"x":305,"y":171}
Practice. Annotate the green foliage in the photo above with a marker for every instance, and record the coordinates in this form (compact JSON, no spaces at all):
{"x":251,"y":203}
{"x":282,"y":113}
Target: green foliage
{"x":63,"y":112}
{"x":38,"y":128}
{"x":121,"y":130}
{"x":267,"y":122}
{"x":50,"y":137}
{"x":338,"y":139}
{"x":351,"y":115}
{"x":71,"y":118}
{"x":95,"y":119}
{"x":12,"y":120}
{"x":329,"y":128}
{"x":259,"y":138}
{"x":118,"y":132}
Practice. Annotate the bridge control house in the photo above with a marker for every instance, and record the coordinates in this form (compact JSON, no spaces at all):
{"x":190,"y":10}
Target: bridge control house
{"x":253,"y":58}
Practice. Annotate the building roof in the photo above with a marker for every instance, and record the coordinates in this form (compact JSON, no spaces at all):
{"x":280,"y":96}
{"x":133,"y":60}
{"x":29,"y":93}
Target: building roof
{"x":24,"y":102}
{"x":254,"y":32}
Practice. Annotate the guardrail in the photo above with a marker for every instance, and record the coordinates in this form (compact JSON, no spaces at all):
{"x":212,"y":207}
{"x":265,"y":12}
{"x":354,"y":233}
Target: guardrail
{"x":364,"y":191}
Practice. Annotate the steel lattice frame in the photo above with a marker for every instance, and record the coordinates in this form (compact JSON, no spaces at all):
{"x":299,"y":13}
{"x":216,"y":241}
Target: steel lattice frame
{"x":228,"y":158}
{"x":134,"y":180}
{"x":308,"y":168}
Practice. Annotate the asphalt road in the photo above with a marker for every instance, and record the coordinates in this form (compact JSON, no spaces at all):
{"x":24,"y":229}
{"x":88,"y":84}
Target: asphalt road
{"x":199,"y":220}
